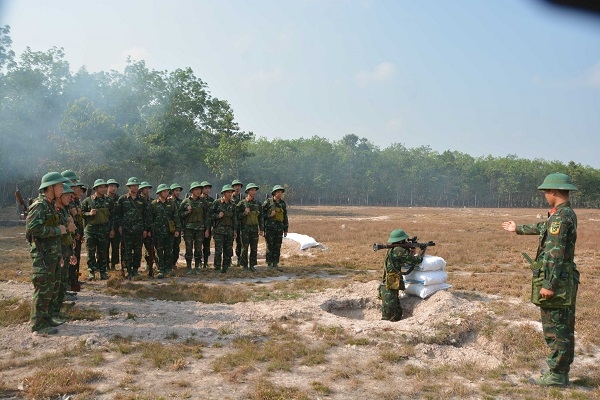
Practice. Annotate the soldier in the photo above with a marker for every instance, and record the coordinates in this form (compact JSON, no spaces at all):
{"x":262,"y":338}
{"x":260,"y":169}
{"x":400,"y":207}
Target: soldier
{"x":176,"y":197}
{"x":206,"y":188}
{"x":75,"y":210}
{"x":555,"y":276}
{"x":396,"y":259}
{"x":251,"y":226}
{"x":165,"y":226}
{"x":134,"y":224}
{"x":193,"y":211}
{"x":99,"y":228}
{"x":276,"y":225}
{"x":114,"y":242}
{"x":44,"y":233}
{"x":223,"y":217}
{"x":148,"y":242}
{"x":237,"y":197}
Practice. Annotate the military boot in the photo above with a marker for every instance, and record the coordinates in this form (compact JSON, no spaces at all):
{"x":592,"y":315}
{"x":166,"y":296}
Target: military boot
{"x":278,"y":268}
{"x":551,"y":378}
{"x":196,"y":267}
{"x":103,"y":276}
{"x":46,"y":330}
{"x":56,"y":321}
{"x":189,"y":267}
{"x":252,"y":268}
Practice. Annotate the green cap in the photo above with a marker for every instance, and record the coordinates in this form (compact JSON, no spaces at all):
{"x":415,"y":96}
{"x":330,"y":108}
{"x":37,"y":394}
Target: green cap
{"x":176,"y":186}
{"x":133,"y":181}
{"x":112,"y":182}
{"x":227,"y":188}
{"x":52,"y":178}
{"x":397,"y":235}
{"x":161,"y":187}
{"x":276,"y":188}
{"x":99,"y":182}
{"x":237,"y":182}
{"x":67,"y":188}
{"x":145,"y":184}
{"x":70,"y":175}
{"x":205,"y":183}
{"x":195,"y":185}
{"x":557,"y":181}
{"x":250,"y":186}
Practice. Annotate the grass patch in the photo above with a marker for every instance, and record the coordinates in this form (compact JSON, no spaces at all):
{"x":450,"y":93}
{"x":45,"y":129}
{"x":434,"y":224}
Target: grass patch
{"x":265,"y":390}
{"x":14,"y":311}
{"x":78,"y":313}
{"x":175,"y":291}
{"x":46,"y":383}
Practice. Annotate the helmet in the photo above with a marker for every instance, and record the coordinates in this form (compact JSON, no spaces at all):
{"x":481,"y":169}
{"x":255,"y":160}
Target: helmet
{"x":67,"y":189}
{"x":250,"y":186}
{"x":112,"y":182}
{"x":99,"y":182}
{"x":145,"y":184}
{"x":276,"y":188}
{"x":133,"y":181}
{"x":557,"y":181}
{"x":161,"y":187}
{"x":205,"y":183}
{"x":52,"y":178}
{"x":81,"y":185}
{"x":195,"y":185}
{"x":237,"y":182}
{"x":227,"y":188}
{"x":397,"y":235}
{"x":176,"y":186}
{"x":70,"y":175}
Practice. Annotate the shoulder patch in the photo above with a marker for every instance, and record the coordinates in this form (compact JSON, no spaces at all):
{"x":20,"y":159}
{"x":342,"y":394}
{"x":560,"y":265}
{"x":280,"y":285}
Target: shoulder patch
{"x":554,"y":228}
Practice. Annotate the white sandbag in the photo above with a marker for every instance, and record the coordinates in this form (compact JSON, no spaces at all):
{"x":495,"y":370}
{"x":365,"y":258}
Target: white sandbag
{"x":426,"y":277}
{"x":422,"y":291}
{"x":432,"y":263}
{"x":305,"y":241}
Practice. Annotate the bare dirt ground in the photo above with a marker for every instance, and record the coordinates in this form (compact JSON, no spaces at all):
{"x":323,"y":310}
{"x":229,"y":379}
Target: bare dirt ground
{"x":311,"y":332}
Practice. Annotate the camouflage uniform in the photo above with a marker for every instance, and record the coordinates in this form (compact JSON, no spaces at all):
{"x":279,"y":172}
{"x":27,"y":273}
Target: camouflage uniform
{"x":43,"y":226}
{"x":75,"y":210}
{"x":148,"y":241}
{"x":396,"y":259}
{"x":236,"y":198}
{"x":556,"y":251}
{"x":223,"y":231}
{"x":250,"y":225}
{"x":97,"y":230}
{"x":195,"y":223}
{"x":114,"y":243}
{"x":206,"y":243}
{"x":275,"y":227}
{"x":163,"y":215}
{"x":176,"y":240}
{"x":66,"y":242}
{"x":133,"y":218}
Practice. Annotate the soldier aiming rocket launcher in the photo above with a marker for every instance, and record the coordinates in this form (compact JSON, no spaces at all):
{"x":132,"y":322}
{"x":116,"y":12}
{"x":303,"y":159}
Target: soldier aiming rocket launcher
{"x":410,"y":243}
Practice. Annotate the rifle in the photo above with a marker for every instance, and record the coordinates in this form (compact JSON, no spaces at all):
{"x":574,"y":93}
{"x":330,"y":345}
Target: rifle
{"x":23,"y":209}
{"x":41,"y":253}
{"x":74,"y":278}
{"x":410,"y":243}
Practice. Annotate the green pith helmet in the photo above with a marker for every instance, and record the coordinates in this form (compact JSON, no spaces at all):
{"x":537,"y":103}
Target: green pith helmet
{"x":67,"y":189}
{"x":80,"y":184}
{"x":112,"y":182}
{"x":176,"y":186}
{"x":70,"y":175}
{"x":52,"y":178}
{"x":250,"y":186}
{"x":227,"y":188}
{"x":145,"y":184}
{"x":397,"y":235}
{"x":161,"y":187}
{"x":237,"y":182}
{"x":276,"y":188}
{"x":195,"y":185}
{"x":99,"y":182}
{"x":205,"y":184}
{"x":558,"y":181}
{"x":133,"y":181}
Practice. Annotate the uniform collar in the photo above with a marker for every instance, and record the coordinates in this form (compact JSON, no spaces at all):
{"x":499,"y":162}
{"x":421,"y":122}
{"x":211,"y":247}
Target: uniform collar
{"x":558,"y":207}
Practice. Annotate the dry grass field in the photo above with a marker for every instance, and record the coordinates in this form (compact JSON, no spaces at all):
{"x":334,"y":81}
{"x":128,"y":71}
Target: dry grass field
{"x":313,"y":331}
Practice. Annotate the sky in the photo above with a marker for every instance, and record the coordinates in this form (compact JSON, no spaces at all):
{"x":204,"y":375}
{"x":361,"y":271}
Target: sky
{"x":510,"y":77}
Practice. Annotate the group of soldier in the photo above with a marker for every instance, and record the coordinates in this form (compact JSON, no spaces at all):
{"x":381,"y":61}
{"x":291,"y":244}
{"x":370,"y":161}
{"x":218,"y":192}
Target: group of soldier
{"x":62,"y":218}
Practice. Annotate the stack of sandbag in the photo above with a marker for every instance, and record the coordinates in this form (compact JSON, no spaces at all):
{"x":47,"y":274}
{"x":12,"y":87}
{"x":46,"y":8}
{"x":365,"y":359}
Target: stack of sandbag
{"x":427,"y":278}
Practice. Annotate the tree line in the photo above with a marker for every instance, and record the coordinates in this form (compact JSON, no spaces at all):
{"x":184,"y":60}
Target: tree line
{"x":166,"y":126}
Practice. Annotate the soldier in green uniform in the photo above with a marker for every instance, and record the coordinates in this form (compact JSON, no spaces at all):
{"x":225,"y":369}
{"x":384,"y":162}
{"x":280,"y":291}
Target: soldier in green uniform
{"x":276,"y":225}
{"x":44,"y":233}
{"x":237,"y":197}
{"x":165,"y":226}
{"x":555,"y":276}
{"x":133,"y":219}
{"x":251,"y":226}
{"x":75,"y":210}
{"x":398,"y":261}
{"x":149,"y":252}
{"x":223,"y":216}
{"x":98,"y":212}
{"x":176,"y":197}
{"x":206,"y":188}
{"x":193,"y":212}
{"x":114,"y":242}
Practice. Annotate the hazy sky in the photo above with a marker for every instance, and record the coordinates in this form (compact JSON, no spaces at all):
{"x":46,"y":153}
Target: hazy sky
{"x":481,"y":77}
